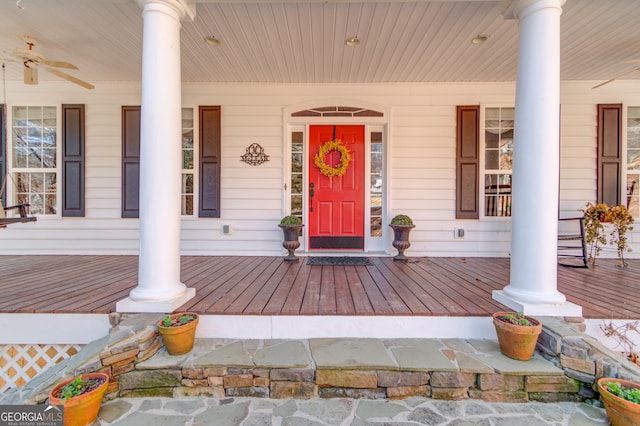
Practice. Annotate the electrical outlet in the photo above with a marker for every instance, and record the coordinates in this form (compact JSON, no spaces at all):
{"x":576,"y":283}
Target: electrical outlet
{"x":458,"y":233}
{"x":226,"y":229}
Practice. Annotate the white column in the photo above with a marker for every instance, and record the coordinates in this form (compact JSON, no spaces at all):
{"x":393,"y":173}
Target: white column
{"x":533,"y":287}
{"x":159,"y":288}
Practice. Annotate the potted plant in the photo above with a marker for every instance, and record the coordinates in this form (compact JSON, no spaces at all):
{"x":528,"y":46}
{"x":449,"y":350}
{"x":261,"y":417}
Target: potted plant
{"x":621,"y":222}
{"x":178,"y":332}
{"x":594,"y":217}
{"x":621,"y":399}
{"x":81,"y":397}
{"x":402,"y":226}
{"x":291,"y":226}
{"x":517,"y":334}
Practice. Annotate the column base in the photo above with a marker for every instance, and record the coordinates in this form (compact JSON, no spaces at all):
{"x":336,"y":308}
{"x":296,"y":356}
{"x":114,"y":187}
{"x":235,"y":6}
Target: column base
{"x":159,"y":306}
{"x":566,"y":309}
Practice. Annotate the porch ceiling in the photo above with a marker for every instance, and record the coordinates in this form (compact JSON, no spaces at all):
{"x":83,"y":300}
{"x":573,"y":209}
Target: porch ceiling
{"x":303,"y":41}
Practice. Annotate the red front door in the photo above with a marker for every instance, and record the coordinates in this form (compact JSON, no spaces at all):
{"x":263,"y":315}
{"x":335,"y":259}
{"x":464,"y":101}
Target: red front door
{"x":336,"y":204}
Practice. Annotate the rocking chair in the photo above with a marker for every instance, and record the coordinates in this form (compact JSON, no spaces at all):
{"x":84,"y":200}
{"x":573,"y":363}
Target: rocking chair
{"x":572,"y":246}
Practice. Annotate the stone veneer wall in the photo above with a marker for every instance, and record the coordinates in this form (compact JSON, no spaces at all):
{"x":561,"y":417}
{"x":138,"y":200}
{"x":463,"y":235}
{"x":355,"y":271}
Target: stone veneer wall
{"x":581,"y":358}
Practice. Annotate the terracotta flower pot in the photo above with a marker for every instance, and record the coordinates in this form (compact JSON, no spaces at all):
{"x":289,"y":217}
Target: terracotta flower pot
{"x":620,"y":411}
{"x":179,"y":339}
{"x":517,"y":341}
{"x":83,"y":409}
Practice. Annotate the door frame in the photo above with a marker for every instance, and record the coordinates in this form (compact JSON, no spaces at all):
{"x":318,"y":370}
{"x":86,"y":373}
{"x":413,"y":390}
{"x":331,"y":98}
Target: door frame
{"x":371,"y":124}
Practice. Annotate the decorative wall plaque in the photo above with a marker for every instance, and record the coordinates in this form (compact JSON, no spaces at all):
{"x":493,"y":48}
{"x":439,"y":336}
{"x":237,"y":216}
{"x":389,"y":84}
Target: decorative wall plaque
{"x":255,"y":155}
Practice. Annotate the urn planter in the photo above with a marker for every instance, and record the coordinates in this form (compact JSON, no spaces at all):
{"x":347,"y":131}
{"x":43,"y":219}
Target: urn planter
{"x":291,"y":241}
{"x":401,"y":240}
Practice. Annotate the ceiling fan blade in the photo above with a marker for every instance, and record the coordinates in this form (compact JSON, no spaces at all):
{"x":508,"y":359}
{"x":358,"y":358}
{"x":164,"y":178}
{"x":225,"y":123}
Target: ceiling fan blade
{"x":71,"y":78}
{"x":59,"y":64}
{"x":30,"y":75}
{"x":616,"y":77}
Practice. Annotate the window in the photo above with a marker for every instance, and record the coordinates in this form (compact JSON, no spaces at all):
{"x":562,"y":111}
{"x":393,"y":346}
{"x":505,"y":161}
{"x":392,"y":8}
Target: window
{"x":498,"y":160}
{"x":34,"y":168}
{"x":376,"y":183}
{"x":207,"y":174}
{"x":296,"y":173}
{"x":186,"y":201}
{"x":633,"y":160}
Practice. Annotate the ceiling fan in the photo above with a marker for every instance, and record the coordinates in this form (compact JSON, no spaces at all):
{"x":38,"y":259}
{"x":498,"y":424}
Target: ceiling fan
{"x":31,"y":60}
{"x":624,"y":74}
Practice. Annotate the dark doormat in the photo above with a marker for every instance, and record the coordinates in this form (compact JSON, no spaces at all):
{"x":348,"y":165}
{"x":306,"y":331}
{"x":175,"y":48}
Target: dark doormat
{"x":341,"y":260}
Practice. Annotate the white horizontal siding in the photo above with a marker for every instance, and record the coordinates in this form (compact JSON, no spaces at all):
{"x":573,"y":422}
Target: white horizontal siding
{"x":421,"y":179}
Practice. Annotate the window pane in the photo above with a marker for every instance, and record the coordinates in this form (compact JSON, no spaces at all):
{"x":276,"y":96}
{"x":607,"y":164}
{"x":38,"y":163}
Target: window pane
{"x":296,"y":183}
{"x":296,"y":163}
{"x":34,"y":114}
{"x":497,"y":191}
{"x":491,"y":139}
{"x":633,"y":159}
{"x":296,"y":205}
{"x":187,"y":205}
{"x":187,"y":138}
{"x":187,"y":118}
{"x":491,"y":159}
{"x":633,"y":201}
{"x":50,"y":207}
{"x":49,"y":158}
{"x":187,"y":159}
{"x":37,"y":182}
{"x":492,"y":114}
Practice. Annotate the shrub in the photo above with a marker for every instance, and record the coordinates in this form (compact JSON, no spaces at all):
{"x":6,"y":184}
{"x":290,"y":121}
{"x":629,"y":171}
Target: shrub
{"x":291,"y":220}
{"x":402,"y":219}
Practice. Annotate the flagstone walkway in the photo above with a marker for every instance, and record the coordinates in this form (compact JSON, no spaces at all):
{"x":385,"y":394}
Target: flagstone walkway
{"x":342,"y":412}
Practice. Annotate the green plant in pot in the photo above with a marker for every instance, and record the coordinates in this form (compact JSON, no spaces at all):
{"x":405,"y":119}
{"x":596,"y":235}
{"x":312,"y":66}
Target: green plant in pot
{"x":402,"y":226}
{"x":517,"y":334}
{"x":81,"y":397}
{"x":618,"y":220}
{"x":291,"y":226}
{"x":178,"y":332}
{"x":621,"y":399}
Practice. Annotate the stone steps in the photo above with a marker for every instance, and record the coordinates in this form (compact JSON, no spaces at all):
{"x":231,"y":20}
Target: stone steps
{"x":564,"y":368}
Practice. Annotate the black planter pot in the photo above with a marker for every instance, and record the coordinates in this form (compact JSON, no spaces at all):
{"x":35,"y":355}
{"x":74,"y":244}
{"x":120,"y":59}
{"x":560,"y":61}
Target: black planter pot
{"x":291,"y":242}
{"x":401,"y":240}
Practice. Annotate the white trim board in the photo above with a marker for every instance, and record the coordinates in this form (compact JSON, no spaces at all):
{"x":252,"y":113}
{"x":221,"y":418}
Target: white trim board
{"x":84,"y":328}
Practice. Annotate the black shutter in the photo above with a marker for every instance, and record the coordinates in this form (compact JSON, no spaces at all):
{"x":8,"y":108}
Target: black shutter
{"x":609,"y":153}
{"x":467,"y":162}
{"x":3,"y":155}
{"x":73,"y":160}
{"x":209,"y":161}
{"x":131,"y":161}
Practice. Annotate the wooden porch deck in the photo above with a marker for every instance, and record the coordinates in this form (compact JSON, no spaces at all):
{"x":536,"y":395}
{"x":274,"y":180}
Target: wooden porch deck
{"x":269,"y":286}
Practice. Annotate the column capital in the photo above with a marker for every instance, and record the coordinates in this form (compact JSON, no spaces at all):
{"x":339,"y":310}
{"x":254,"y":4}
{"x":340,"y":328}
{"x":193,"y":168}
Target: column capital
{"x":517,"y":9}
{"x":184,"y":8}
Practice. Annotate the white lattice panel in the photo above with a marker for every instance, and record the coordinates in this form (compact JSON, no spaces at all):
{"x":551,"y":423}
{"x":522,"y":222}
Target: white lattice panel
{"x":21,"y":363}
